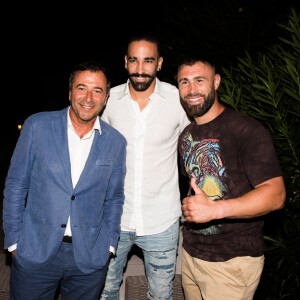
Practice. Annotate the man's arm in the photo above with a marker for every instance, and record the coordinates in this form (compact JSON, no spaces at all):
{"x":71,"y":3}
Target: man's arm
{"x":264,"y":198}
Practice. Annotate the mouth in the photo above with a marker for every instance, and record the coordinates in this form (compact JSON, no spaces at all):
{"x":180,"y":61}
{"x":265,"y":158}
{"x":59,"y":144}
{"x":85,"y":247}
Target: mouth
{"x":140,"y":78}
{"x":194,"y":100}
{"x":87,"y":107}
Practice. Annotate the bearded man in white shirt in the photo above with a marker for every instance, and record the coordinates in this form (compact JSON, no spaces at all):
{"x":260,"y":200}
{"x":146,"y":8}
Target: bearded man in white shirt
{"x":148,"y":113}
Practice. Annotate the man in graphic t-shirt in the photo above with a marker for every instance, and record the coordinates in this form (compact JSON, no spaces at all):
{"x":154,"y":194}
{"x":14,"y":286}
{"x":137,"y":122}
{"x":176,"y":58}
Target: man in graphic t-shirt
{"x":235,"y":178}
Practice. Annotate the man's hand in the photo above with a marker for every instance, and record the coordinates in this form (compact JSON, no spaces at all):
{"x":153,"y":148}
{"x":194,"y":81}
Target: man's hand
{"x":198,"y":208}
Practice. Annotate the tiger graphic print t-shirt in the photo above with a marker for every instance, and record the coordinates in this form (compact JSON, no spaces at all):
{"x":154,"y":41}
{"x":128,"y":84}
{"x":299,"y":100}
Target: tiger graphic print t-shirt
{"x":228,"y":156}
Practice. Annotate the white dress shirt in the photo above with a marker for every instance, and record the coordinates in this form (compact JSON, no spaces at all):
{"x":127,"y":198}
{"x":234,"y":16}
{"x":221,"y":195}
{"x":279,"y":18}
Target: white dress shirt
{"x":152,"y":197}
{"x":79,"y":149}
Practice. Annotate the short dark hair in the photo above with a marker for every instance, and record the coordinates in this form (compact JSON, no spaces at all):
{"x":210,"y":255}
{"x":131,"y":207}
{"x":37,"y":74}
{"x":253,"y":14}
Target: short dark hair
{"x":191,"y":60}
{"x":93,"y":66}
{"x":145,"y":37}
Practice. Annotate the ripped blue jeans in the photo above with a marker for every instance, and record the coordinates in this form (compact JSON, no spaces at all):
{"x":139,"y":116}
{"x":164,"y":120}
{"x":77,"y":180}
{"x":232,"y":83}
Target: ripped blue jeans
{"x":160,"y":253}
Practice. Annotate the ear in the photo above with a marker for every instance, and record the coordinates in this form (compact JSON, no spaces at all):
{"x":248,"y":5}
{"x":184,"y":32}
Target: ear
{"x":107,"y":96}
{"x":125,"y":59}
{"x":160,"y":61}
{"x":217,"y":81}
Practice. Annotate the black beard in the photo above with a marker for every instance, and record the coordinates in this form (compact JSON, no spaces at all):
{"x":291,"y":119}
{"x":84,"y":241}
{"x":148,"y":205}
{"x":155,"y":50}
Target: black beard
{"x":201,"y":109}
{"x":140,"y":86}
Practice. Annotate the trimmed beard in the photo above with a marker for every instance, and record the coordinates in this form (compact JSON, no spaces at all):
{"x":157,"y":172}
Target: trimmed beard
{"x":141,"y":86}
{"x":200,"y":109}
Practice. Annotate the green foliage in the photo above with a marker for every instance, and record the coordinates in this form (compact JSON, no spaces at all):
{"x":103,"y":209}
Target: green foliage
{"x":268,"y":88}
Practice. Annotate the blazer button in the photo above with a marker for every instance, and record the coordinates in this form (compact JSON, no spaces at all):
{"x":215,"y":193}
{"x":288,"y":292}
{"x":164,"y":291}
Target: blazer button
{"x":73,"y":197}
{"x":63,"y":225}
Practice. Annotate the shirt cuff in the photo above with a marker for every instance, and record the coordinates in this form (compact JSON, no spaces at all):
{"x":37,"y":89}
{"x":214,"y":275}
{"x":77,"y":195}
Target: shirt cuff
{"x":12,"y":248}
{"x":112,"y":250}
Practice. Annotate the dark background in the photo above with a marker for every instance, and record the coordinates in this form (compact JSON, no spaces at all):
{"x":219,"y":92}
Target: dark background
{"x":41,"y":42}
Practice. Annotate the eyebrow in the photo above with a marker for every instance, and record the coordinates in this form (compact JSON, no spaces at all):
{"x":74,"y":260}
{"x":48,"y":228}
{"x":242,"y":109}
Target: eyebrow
{"x":194,"y":78}
{"x":85,"y":85}
{"x":145,"y":58}
{"x":182,"y":79}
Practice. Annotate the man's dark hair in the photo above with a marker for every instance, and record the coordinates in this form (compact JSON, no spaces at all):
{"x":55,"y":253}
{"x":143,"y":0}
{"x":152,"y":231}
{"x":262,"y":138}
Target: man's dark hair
{"x":145,"y":37}
{"x":191,"y":60}
{"x":93,"y":66}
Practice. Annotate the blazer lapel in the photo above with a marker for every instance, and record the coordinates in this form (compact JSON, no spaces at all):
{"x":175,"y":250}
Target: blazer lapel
{"x":60,"y":132}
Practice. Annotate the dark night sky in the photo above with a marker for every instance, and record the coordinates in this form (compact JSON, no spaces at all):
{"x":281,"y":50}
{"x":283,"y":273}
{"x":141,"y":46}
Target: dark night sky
{"x":41,"y":42}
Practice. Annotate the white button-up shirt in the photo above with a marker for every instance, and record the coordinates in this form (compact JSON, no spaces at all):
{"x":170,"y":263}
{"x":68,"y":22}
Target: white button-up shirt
{"x":79,"y":149}
{"x":152,"y":197}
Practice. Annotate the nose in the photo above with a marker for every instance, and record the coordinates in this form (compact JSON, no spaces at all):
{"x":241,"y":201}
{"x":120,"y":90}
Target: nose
{"x":192,"y":87}
{"x":89,"y":96}
{"x":140,"y":68}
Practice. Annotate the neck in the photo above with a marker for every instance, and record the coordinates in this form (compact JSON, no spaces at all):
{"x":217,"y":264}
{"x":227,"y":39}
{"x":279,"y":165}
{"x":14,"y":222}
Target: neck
{"x":81,"y":127}
{"x":142,"y":97}
{"x":215,"y":111}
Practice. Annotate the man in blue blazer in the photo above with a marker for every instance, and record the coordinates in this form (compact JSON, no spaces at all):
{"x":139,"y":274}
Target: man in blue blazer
{"x":64,"y":195}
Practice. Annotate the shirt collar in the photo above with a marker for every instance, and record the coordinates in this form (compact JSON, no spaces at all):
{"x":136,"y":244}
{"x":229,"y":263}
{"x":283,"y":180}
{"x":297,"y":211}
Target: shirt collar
{"x":95,"y":127}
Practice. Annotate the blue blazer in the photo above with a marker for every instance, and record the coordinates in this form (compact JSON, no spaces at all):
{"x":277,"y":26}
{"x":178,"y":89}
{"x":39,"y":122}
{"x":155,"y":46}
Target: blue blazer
{"x":39,"y":195}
